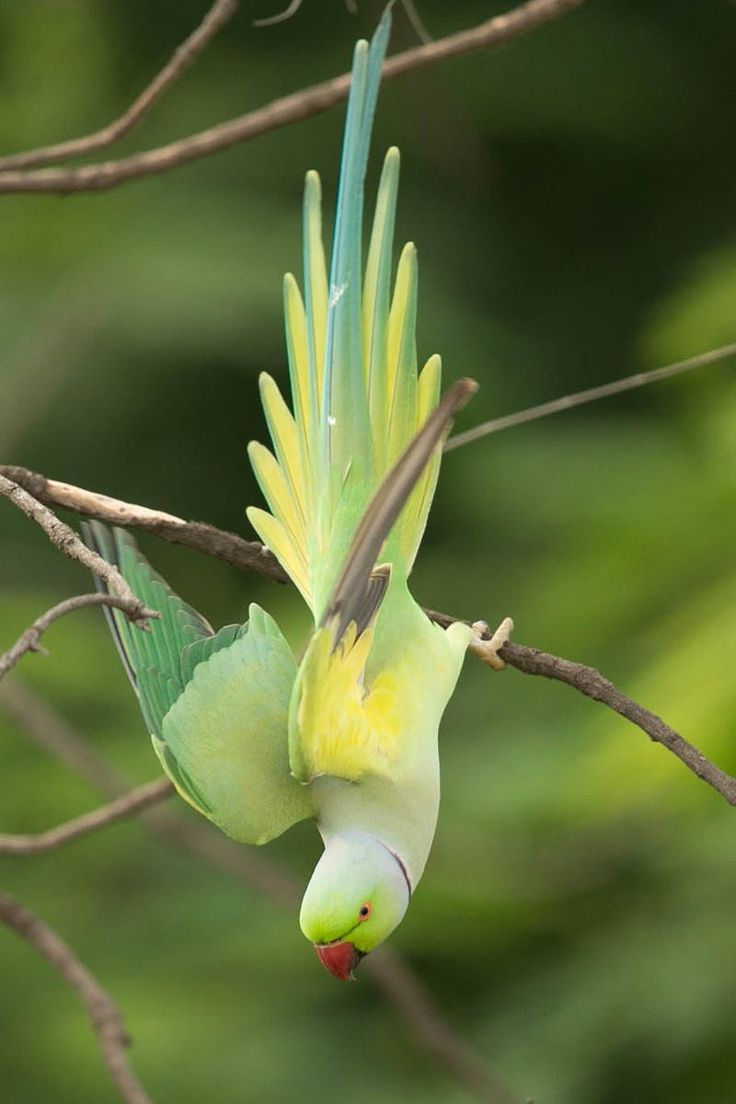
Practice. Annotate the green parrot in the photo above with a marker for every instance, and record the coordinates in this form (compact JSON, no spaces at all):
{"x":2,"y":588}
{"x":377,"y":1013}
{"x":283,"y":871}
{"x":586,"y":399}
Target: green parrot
{"x":347,"y":736}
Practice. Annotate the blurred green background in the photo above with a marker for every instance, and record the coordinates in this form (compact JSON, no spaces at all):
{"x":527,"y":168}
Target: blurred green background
{"x":571,"y":196}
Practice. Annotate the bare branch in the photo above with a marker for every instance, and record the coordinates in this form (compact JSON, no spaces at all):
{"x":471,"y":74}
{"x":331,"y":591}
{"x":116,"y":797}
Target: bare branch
{"x":232,"y":549}
{"x":567,"y":402}
{"x":209,"y":540}
{"x":67,"y":541}
{"x":282,"y":112}
{"x":30,"y":640}
{"x":389,"y":972}
{"x":590,"y":682}
{"x":121,"y":809}
{"x":218,"y":15}
{"x":103,"y":1012}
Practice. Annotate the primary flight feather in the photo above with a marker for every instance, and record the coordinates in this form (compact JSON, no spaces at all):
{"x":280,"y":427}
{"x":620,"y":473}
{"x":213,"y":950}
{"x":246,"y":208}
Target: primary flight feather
{"x":348,"y":736}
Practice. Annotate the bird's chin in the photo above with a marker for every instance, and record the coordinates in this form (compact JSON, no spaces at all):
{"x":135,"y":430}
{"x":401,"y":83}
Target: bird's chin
{"x":339,"y":958}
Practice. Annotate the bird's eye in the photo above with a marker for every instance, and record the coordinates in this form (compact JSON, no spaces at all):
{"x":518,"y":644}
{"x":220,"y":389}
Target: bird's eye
{"x":365,"y":911}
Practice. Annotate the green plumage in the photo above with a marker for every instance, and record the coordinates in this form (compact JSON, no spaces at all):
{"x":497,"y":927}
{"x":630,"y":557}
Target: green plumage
{"x":348,"y":736}
{"x":215,"y":704}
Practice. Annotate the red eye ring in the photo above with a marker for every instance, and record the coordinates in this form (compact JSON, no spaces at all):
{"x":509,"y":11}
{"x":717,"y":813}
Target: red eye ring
{"x":365,"y":911}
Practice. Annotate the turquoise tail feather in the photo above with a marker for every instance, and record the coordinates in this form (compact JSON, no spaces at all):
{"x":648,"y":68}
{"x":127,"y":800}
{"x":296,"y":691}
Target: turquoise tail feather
{"x":357,"y":399}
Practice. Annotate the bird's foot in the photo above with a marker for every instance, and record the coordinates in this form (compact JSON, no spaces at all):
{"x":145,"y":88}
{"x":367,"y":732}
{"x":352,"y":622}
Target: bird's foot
{"x":486,"y":645}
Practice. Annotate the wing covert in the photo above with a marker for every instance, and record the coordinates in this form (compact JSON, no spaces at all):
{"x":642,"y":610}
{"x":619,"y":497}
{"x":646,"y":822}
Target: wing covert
{"x":215,"y":704}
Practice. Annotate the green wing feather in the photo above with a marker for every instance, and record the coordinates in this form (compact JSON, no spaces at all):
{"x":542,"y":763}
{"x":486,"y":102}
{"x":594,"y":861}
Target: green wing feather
{"x":216,"y":704}
{"x":228,"y":733}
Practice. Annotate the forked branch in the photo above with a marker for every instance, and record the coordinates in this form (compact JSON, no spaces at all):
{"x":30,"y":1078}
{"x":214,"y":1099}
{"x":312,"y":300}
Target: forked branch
{"x":67,"y":542}
{"x":228,"y":547}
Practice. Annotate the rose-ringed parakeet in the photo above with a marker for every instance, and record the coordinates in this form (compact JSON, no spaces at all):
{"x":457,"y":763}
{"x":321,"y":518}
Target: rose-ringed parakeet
{"x":347,"y":736}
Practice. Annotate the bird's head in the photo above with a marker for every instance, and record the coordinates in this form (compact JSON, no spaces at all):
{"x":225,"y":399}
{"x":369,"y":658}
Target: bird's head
{"x":357,"y":895}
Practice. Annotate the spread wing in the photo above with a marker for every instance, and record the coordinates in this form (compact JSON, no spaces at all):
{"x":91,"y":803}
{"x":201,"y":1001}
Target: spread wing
{"x":215,"y":704}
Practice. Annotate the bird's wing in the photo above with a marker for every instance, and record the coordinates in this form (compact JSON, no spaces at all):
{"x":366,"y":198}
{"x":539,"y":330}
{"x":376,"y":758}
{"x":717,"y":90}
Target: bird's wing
{"x":215,"y":704}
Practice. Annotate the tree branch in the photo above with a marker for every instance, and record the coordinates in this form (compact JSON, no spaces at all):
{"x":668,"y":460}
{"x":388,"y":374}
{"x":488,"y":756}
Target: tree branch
{"x":30,"y":640}
{"x":282,"y":112}
{"x":232,"y":549}
{"x":593,"y":685}
{"x":531,"y":661}
{"x":184,"y":56}
{"x":67,"y":541}
{"x":151,"y":793}
{"x":103,"y":1012}
{"x":390,"y":973}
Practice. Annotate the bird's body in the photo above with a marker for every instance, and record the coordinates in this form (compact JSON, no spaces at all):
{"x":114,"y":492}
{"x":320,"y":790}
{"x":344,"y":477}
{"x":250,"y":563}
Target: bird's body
{"x":348,"y":736}
{"x":397,"y":798}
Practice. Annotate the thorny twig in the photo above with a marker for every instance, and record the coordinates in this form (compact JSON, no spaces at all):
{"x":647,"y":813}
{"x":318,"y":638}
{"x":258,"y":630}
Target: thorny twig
{"x":289,"y":109}
{"x":103,"y":1012}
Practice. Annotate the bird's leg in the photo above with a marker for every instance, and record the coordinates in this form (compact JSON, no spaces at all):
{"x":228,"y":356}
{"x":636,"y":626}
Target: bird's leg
{"x":486,"y":645}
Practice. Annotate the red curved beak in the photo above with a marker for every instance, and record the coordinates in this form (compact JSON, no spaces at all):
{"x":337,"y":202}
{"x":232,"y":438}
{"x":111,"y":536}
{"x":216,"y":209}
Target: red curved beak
{"x":339,"y":958}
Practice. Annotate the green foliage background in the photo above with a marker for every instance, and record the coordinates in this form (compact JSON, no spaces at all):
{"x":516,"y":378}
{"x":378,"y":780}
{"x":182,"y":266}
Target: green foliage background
{"x":572,"y":200}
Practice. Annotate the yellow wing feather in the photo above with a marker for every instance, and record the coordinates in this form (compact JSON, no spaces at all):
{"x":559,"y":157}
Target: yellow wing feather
{"x":276,"y":537}
{"x":413,"y":519}
{"x":282,"y":427}
{"x":347,"y":729}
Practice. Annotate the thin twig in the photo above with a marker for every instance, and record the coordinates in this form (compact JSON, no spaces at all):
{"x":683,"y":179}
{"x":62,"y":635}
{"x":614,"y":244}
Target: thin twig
{"x":151,"y":793}
{"x":103,"y":1012}
{"x":218,"y":15}
{"x":282,"y":112}
{"x":67,"y":541}
{"x":280,"y":17}
{"x":393,"y":977}
{"x":416,"y":21}
{"x":30,"y":640}
{"x":579,"y":398}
